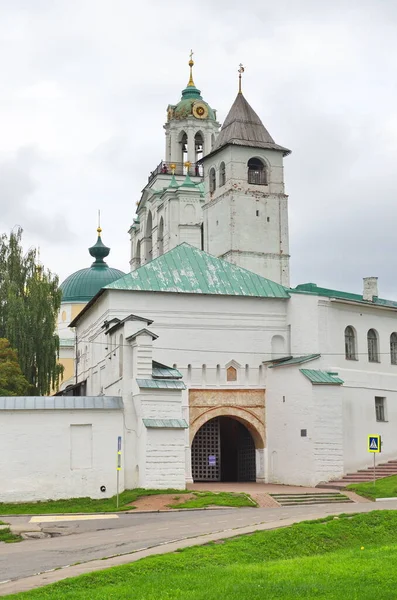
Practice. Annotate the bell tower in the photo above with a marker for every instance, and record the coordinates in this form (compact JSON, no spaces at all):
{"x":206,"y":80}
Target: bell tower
{"x":246,"y":208}
{"x":170,"y":209}
{"x":191,"y":128}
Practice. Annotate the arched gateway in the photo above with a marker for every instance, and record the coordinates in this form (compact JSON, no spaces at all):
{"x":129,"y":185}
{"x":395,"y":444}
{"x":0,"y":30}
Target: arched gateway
{"x":223,"y":450}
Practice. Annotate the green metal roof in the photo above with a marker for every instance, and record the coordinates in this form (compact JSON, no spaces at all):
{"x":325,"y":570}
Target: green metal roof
{"x":161,"y":384}
{"x":160,"y":371}
{"x":313,"y":288}
{"x":321,"y":377}
{"x":188,"y":270}
{"x":165,"y":423}
{"x":297,"y":360}
{"x":84,"y":284}
{"x":66,"y":342}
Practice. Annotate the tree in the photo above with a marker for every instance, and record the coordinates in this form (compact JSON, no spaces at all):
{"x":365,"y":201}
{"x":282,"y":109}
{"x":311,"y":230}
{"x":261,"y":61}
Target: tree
{"x":30,"y":300}
{"x":12,"y":380}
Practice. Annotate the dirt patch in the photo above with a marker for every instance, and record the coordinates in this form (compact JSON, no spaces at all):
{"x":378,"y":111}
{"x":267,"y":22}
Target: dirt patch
{"x":160,"y":501}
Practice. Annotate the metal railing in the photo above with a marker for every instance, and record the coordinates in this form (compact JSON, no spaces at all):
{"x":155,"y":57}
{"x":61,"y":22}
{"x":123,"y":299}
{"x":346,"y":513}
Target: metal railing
{"x":178,"y":168}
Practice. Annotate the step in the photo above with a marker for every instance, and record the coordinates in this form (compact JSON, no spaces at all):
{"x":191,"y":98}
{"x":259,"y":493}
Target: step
{"x":308,"y":497}
{"x":314,"y":502}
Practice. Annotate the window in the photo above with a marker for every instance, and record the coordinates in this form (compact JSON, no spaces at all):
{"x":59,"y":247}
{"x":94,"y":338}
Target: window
{"x":231,"y":374}
{"x":160,"y":238}
{"x":121,"y":355}
{"x":149,"y":238}
{"x":222,"y":174}
{"x":393,"y":348}
{"x":350,"y":344}
{"x":256,"y":172}
{"x":380,"y":408}
{"x":373,"y":353}
{"x":212,"y":181}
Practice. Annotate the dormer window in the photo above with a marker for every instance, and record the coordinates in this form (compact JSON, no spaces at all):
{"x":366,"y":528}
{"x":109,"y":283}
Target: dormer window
{"x":256,"y":172}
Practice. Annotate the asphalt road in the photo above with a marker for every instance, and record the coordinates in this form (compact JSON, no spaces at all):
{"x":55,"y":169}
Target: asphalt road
{"x":88,"y":540}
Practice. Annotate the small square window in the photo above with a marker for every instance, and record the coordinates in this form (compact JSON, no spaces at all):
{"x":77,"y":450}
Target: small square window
{"x":380,"y":408}
{"x":303,"y":432}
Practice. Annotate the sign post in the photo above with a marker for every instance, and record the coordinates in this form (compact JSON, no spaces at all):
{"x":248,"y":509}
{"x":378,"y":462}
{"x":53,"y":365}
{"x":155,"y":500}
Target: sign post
{"x":374,"y":446}
{"x":118,"y":466}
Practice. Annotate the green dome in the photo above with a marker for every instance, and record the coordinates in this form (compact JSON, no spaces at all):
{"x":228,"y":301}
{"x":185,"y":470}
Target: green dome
{"x":184,"y":108}
{"x":82,"y":285}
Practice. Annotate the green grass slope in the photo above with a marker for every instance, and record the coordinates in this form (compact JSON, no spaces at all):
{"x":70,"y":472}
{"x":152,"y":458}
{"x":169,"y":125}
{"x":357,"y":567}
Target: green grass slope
{"x":348,"y":557}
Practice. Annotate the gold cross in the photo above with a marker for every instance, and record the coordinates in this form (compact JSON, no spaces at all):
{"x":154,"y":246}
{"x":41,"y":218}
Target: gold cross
{"x":191,"y":54}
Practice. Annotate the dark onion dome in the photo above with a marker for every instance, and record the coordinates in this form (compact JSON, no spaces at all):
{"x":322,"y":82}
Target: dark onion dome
{"x":82,"y":285}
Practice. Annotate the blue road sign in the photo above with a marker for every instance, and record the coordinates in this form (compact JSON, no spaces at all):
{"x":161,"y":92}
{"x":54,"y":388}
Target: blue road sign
{"x":374,"y":443}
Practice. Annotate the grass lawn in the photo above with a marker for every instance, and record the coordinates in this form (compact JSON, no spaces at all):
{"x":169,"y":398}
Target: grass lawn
{"x":349,"y":557}
{"x":204,"y":499}
{"x":383,"y":488}
{"x":87,"y":505}
{"x":7,"y":536}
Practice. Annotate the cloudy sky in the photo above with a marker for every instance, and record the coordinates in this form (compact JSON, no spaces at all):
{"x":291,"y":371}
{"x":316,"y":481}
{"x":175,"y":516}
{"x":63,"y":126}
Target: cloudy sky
{"x":83,"y":96}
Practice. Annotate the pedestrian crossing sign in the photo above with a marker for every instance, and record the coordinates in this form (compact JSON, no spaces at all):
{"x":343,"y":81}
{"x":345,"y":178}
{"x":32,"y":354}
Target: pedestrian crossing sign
{"x":374,"y":443}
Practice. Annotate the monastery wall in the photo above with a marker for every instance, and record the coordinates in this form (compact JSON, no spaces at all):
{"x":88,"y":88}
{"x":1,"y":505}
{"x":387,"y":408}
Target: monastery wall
{"x":58,"y":453}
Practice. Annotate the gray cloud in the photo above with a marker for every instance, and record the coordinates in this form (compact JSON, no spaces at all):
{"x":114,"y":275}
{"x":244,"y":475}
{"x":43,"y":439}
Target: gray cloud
{"x":86,"y":85}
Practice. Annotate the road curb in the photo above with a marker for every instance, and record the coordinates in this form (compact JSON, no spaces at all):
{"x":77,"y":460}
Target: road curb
{"x":125,"y":512}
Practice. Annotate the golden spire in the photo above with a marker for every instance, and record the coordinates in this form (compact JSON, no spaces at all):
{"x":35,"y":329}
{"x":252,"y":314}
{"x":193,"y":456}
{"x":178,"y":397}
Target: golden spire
{"x":99,"y":230}
{"x":191,"y":63}
{"x":240,"y":72}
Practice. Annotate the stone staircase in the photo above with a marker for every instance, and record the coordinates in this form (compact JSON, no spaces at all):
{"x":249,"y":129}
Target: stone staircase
{"x":310,"y":499}
{"x":364,"y":475}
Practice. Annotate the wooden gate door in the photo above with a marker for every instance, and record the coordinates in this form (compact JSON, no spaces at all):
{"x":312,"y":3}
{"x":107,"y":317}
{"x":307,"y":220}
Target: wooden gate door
{"x":206,"y":452}
{"x":246,"y":469}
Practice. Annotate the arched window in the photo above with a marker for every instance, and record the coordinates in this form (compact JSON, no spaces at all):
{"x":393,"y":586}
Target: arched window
{"x":138,"y":254}
{"x":393,"y":348}
{"x":256,"y":172}
{"x":212,"y":180}
{"x":222,"y":174}
{"x":149,"y":238}
{"x":350,"y":343}
{"x":121,"y":355}
{"x":198,"y":146}
{"x":212,"y":141}
{"x":373,"y":352}
{"x":183,"y":152}
{"x":160,"y":237}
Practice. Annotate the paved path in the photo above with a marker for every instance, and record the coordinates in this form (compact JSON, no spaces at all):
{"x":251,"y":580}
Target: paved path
{"x":135,"y":533}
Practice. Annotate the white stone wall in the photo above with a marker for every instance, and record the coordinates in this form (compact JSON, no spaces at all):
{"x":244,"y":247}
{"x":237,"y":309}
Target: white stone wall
{"x":294,"y":404}
{"x":53,"y":454}
{"x":290,"y":408}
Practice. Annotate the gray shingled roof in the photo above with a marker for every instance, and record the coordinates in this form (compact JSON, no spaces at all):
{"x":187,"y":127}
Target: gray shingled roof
{"x":243,"y":127}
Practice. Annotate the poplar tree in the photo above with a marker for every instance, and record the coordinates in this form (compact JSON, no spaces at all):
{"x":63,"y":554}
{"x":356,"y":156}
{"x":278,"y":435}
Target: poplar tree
{"x":30,"y":300}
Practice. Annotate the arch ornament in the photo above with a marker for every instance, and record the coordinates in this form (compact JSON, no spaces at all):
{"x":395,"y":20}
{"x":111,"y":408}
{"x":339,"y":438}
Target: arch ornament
{"x":244,"y":415}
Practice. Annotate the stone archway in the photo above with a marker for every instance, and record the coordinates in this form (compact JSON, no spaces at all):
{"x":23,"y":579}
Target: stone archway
{"x":223,"y":449}
{"x":247,"y":407}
